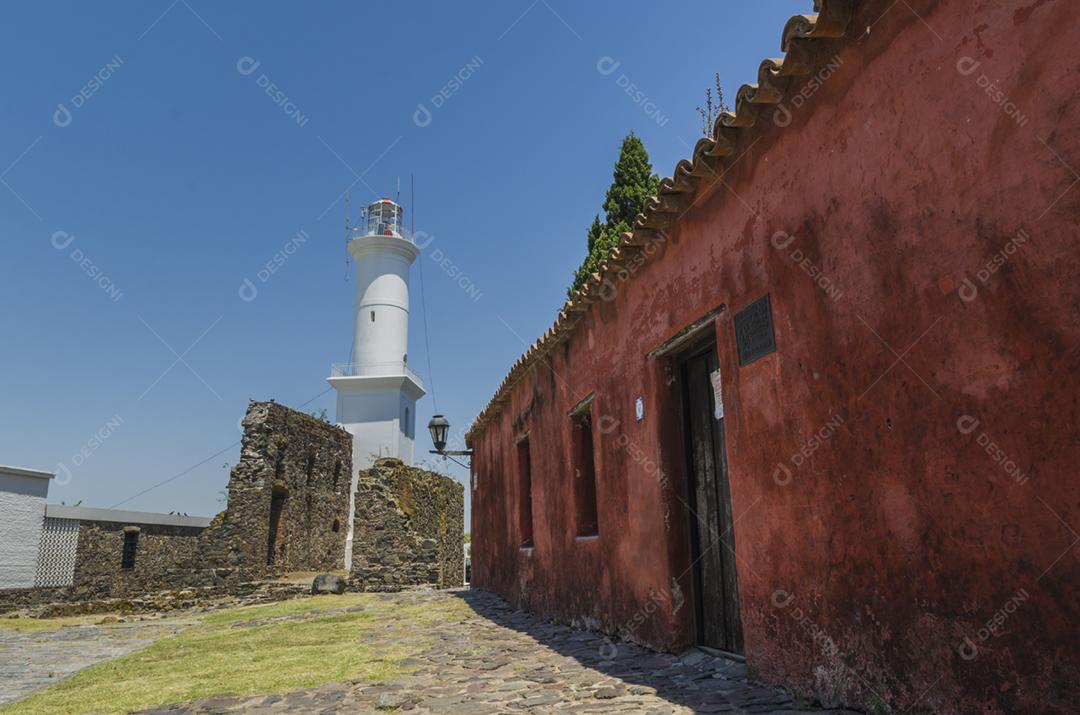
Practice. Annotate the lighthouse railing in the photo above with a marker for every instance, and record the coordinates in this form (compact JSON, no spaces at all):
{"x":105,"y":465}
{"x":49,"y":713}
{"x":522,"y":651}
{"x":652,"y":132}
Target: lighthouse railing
{"x":376,"y":369}
{"x":384,"y":230}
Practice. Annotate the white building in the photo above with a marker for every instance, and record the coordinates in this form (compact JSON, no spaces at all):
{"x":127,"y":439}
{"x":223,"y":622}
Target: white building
{"x":22,"y":515}
{"x":377,"y":392}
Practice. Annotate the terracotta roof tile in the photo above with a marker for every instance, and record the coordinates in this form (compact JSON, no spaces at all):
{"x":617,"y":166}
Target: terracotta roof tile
{"x":676,"y":192}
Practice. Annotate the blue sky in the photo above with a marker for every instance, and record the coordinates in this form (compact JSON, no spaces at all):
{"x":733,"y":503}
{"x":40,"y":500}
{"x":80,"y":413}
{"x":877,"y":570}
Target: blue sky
{"x":149,"y":173}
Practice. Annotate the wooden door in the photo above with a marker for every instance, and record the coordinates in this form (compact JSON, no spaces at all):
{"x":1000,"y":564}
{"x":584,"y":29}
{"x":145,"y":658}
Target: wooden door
{"x":713,"y":535}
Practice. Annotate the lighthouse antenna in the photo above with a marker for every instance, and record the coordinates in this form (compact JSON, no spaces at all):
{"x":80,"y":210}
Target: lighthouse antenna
{"x":346,"y":277}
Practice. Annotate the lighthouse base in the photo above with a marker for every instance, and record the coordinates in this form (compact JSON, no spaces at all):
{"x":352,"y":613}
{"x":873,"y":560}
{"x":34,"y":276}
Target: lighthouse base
{"x":380,"y":414}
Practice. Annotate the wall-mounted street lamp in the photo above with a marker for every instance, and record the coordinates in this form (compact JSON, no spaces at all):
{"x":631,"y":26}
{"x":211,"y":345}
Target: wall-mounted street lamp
{"x":440,"y":430}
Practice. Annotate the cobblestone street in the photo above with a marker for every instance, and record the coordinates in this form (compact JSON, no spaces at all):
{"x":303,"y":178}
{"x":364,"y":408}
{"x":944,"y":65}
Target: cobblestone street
{"x":500,"y":660}
{"x":30,"y":660}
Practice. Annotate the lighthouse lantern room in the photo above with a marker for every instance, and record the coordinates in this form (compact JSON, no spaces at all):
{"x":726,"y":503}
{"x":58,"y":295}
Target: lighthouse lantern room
{"x":384,"y":218}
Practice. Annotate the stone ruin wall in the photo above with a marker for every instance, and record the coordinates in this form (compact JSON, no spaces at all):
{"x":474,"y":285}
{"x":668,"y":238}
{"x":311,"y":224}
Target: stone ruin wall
{"x":166,"y":556}
{"x":293,"y":470}
{"x":297,"y":461}
{"x":410,"y":526}
{"x":409,"y":523}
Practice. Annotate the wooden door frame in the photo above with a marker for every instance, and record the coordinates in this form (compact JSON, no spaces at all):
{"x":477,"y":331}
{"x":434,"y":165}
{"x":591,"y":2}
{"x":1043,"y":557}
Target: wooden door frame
{"x":702,"y":346}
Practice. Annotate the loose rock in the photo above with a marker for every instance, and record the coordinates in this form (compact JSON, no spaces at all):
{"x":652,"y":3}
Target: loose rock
{"x":328,"y":583}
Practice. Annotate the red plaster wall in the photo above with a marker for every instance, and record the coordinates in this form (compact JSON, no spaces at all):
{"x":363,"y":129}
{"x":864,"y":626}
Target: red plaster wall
{"x":866,"y":576}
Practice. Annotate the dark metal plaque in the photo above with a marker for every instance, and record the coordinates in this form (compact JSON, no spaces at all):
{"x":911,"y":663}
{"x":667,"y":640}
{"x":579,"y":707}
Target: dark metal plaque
{"x":754,"y":331}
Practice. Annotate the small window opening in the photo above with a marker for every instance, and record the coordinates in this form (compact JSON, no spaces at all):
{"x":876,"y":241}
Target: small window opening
{"x":336,"y":526}
{"x":279,"y":462}
{"x":131,"y":546}
{"x":337,"y":473}
{"x":585,"y":477}
{"x":373,"y":316}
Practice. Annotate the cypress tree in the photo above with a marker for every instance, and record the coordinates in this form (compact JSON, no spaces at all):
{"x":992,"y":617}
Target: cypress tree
{"x":594,"y":232}
{"x":633,"y":182}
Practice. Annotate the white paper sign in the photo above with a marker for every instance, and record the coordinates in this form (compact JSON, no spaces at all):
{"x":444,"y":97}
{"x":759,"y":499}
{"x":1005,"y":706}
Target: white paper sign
{"x":718,"y":394}
{"x":639,"y":409}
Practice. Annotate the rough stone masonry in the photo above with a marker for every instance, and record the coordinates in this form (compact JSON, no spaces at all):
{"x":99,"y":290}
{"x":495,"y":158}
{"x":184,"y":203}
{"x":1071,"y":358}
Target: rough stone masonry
{"x":288,"y":508}
{"x":409,"y":528}
{"x":288,"y":497}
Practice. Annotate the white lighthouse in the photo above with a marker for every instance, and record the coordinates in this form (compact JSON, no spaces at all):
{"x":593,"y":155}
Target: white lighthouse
{"x":377,"y":392}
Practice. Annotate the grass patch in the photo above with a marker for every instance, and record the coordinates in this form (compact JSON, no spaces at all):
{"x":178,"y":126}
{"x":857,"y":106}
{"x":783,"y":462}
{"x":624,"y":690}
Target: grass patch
{"x":222,"y":657}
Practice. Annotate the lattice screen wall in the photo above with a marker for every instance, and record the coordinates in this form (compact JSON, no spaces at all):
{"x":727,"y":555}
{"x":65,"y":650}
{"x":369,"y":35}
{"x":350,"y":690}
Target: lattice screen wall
{"x":56,"y":560}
